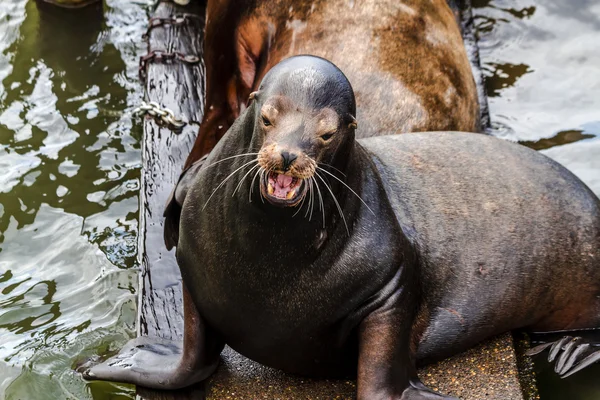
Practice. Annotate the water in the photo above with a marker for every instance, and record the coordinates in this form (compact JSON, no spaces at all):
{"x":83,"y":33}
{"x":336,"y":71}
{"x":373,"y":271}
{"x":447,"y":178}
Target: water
{"x":70,"y":161}
{"x":541,"y":60}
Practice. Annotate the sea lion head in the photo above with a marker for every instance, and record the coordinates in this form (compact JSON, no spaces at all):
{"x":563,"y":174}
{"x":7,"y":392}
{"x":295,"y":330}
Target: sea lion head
{"x":304,"y":123}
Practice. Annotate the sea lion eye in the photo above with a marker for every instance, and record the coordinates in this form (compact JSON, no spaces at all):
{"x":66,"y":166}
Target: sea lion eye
{"x":327,"y":136}
{"x":266,"y":121}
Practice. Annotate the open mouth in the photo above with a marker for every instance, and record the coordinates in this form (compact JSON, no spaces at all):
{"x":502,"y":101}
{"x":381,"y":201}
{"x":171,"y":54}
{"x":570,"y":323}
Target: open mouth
{"x":283,"y":190}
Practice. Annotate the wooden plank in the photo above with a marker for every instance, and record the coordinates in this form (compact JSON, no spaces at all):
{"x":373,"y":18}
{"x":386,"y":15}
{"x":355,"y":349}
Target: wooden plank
{"x":179,"y":87}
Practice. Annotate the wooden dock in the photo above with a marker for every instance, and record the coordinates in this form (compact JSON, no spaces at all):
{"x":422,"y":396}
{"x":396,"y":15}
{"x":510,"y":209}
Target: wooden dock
{"x":487,"y":372}
{"x":179,"y":87}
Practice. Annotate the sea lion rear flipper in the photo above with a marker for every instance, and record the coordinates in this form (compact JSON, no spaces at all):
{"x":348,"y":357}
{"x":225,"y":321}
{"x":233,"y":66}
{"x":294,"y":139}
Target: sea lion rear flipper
{"x":172,"y":211}
{"x":159,"y":363}
{"x":570,"y":354}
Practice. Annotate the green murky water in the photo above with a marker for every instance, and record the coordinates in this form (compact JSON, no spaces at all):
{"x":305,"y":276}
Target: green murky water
{"x":70,"y":165}
{"x":541,"y":59}
{"x":69,"y":182}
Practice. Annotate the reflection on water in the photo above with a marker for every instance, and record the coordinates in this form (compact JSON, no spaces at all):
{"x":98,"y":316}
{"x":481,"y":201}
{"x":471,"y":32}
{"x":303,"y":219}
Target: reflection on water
{"x":541,"y":59}
{"x":70,"y":161}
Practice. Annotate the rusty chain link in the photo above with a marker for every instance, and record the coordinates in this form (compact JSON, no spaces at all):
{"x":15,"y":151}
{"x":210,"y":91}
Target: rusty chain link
{"x":164,"y":114}
{"x":162,"y":56}
{"x":153,"y":108}
{"x":178,"y":19}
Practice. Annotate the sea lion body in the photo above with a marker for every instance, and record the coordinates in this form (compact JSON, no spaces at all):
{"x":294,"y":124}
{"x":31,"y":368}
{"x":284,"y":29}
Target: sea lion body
{"x":406,"y":61}
{"x":480,"y":223}
{"x":312,"y":251}
{"x":507,"y":238}
{"x":286,"y":296}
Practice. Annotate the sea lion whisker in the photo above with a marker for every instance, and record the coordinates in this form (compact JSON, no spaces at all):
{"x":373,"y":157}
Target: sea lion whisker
{"x":331,"y":166}
{"x":349,"y":188}
{"x":262,"y":178}
{"x":225,"y":180}
{"x":258,"y":171}
{"x":321,"y":205}
{"x":309,"y":191}
{"x":336,"y":203}
{"x":310,"y":203}
{"x":244,"y":177}
{"x":229,"y":158}
{"x":312,"y":200}
{"x":301,"y":205}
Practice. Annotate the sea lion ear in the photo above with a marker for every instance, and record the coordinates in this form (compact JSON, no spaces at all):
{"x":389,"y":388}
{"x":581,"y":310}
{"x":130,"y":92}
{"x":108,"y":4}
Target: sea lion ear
{"x":252,"y":96}
{"x":353,"y":124}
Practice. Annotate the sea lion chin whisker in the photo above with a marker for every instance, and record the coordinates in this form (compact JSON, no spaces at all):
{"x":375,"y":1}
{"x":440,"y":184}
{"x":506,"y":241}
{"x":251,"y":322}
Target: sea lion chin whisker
{"x":251,"y":190}
{"x":312,"y":199}
{"x":321,"y":206}
{"x":244,"y":178}
{"x":225,"y":180}
{"x":301,"y":205}
{"x":336,"y":203}
{"x":308,"y":192}
{"x":262,"y":177}
{"x":348,"y":187}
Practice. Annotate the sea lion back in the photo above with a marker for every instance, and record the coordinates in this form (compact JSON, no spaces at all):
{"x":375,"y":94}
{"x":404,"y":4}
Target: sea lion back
{"x":496,"y":221}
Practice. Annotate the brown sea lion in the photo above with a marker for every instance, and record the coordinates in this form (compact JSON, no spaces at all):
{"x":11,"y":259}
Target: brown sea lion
{"x":319,"y":254}
{"x":405,"y":58}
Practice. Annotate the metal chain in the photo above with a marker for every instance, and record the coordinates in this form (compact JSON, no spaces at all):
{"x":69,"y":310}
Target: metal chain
{"x":178,"y":19}
{"x":162,"y":56}
{"x":164,"y":114}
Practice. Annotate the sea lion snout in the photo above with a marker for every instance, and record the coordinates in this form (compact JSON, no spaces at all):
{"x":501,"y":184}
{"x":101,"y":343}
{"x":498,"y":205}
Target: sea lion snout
{"x":286,"y":171}
{"x":286,"y":161}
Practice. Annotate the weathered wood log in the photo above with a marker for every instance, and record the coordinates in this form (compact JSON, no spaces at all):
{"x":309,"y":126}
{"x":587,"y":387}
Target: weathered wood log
{"x":178,"y":86}
{"x":485,"y":372}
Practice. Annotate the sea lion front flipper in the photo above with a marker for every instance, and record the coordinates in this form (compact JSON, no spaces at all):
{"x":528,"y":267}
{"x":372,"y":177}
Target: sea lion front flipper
{"x":386,"y":362}
{"x":571,"y":354}
{"x":161,"y":363}
{"x":172,"y":211}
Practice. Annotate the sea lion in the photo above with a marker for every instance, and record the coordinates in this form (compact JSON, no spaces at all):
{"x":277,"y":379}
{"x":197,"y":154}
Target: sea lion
{"x":405,"y":58}
{"x":319,"y":254}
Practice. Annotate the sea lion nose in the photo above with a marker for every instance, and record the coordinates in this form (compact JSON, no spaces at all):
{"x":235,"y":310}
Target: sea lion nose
{"x":288,"y":158}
